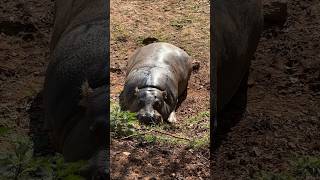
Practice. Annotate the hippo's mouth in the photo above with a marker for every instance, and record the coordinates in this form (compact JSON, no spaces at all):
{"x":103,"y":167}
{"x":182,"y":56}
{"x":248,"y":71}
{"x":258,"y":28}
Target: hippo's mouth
{"x":150,"y":120}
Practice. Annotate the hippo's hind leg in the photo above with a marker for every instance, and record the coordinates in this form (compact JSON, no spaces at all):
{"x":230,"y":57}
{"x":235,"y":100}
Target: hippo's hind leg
{"x":181,"y":98}
{"x":172,"y":117}
{"x":236,"y":108}
{"x":231,"y":114}
{"x":239,"y":100}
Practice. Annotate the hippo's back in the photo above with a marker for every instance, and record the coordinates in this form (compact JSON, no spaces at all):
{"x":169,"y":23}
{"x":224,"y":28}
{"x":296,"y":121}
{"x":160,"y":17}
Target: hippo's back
{"x":72,"y":13}
{"x":160,"y":65}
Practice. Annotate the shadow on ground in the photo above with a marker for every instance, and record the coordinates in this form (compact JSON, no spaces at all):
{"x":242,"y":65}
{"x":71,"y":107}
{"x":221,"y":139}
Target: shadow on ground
{"x":39,"y":136}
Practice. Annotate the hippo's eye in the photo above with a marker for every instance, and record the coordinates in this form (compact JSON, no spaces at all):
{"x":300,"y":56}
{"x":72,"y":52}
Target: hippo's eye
{"x":157,"y":104}
{"x":140,"y":102}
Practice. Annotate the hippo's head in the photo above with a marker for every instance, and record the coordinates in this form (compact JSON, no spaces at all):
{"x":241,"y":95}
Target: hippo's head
{"x":151,"y":104}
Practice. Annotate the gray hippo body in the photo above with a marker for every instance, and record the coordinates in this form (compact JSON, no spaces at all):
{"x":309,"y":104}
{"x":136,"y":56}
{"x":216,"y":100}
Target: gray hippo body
{"x":156,"y":82}
{"x":237,"y":28}
{"x":75,"y":88}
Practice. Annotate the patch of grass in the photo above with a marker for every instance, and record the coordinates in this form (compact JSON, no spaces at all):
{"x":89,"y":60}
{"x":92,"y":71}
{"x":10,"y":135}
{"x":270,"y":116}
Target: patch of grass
{"x":122,"y":123}
{"x":119,"y":32}
{"x":199,"y":117}
{"x":149,"y":138}
{"x":162,"y":36}
{"x":263,"y":175}
{"x":125,"y":125}
{"x":4,"y":130}
{"x":200,"y":142}
{"x":195,"y":7}
{"x":306,"y":166}
{"x":180,"y":23}
{"x":68,"y":170}
{"x":161,"y":132}
{"x":21,"y":164}
{"x":300,"y":167}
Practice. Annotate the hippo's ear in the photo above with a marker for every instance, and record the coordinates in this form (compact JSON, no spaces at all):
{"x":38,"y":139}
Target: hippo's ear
{"x":136,"y":91}
{"x":86,"y":90}
{"x":164,"y":94}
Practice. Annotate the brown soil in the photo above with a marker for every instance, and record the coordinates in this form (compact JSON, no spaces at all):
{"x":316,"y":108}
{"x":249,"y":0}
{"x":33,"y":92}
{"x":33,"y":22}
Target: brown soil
{"x":25,"y":28}
{"x":186,"y":25}
{"x":283,"y":105}
{"x":283,"y":115}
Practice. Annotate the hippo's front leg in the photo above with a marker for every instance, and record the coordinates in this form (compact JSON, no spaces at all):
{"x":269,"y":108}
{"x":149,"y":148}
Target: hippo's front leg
{"x":172,"y":117}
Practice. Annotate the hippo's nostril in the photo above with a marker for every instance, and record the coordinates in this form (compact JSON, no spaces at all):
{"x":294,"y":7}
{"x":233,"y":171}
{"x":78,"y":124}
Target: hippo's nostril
{"x":149,"y":118}
{"x":150,"y":115}
{"x":146,"y":119}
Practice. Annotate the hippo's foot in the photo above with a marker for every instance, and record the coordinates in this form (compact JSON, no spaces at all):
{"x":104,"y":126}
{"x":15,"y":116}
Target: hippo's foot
{"x":172,"y":117}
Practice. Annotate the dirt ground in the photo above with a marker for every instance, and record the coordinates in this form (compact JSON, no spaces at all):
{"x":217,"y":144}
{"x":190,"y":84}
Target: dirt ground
{"x":284,"y":100}
{"x":283,"y":117}
{"x":25,"y":28}
{"x":186,"y":25}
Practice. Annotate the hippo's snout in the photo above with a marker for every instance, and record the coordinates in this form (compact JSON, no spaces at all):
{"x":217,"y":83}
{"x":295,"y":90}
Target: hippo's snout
{"x":149,"y":117}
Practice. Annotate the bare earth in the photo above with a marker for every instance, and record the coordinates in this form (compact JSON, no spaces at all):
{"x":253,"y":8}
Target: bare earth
{"x":186,"y":25}
{"x":283,"y":116}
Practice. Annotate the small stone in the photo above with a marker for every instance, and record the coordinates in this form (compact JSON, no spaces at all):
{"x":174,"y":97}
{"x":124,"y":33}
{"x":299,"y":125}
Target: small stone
{"x":293,"y":80}
{"x":126,"y":153}
{"x":256,"y":151}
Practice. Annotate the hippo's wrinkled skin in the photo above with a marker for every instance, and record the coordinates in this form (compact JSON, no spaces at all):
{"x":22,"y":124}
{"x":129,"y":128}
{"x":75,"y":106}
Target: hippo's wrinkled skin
{"x":156,"y":82}
{"x":237,"y":28}
{"x":75,"y":89}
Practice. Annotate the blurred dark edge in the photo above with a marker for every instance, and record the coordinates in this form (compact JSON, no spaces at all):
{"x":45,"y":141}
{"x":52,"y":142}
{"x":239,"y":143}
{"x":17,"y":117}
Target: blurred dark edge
{"x":38,"y":135}
{"x":107,"y":17}
{"x":213,"y":89}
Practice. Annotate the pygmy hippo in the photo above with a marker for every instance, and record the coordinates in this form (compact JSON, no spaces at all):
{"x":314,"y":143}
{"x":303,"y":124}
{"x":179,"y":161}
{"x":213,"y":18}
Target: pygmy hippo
{"x":156,"y":82}
{"x":76,"y":84}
